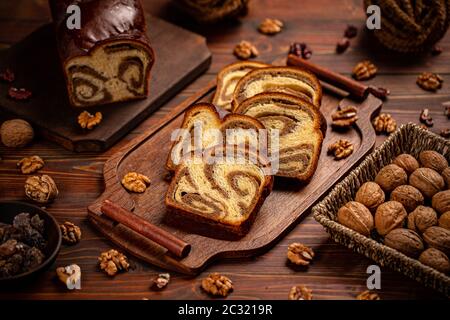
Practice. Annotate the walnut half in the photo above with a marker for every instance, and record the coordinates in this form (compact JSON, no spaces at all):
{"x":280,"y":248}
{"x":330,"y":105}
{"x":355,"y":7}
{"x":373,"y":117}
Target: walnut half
{"x":30,"y":164}
{"x":217,"y":285}
{"x":89,"y":121}
{"x":135,"y":182}
{"x":112,"y":261}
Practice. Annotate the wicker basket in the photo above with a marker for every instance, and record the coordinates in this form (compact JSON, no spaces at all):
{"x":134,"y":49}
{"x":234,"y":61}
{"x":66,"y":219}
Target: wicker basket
{"x":411,"y":139}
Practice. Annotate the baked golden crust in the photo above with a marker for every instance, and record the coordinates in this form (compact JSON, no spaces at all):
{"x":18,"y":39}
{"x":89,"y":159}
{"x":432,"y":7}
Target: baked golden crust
{"x":289,"y":80}
{"x":219,"y":197}
{"x":228,"y":78}
{"x":300,"y":126}
{"x":208,"y":117}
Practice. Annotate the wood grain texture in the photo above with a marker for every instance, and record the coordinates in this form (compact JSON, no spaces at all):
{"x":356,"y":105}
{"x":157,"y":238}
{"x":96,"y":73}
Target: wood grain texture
{"x":291,"y":200}
{"x":336,"y":273}
{"x":35,"y":63}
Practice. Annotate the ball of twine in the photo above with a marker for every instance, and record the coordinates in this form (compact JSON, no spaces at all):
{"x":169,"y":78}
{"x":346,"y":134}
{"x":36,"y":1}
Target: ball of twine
{"x":210,"y":11}
{"x":411,"y":26}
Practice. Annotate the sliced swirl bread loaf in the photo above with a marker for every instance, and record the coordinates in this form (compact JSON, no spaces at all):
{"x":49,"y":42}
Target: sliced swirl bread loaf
{"x":202,"y":128}
{"x":301,"y":128}
{"x":217,"y":195}
{"x":289,"y":80}
{"x":228,"y":78}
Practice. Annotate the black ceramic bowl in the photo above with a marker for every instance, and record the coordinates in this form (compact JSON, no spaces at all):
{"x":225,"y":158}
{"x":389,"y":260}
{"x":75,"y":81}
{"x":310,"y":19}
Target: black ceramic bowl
{"x":52,"y":233}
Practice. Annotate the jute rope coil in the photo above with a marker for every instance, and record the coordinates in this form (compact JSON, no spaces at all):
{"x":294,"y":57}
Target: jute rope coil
{"x":411,"y":26}
{"x":210,"y":11}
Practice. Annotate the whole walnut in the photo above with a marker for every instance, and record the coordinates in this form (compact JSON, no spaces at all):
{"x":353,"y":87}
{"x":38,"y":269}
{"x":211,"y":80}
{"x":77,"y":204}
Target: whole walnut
{"x":428,"y":181}
{"x":408,"y":196}
{"x":16,"y":133}
{"x":406,"y":241}
{"x":439,"y":238}
{"x":433,"y":160}
{"x":407,"y":162}
{"x":446,"y":176}
{"x":390,"y":215}
{"x":444,"y":220}
{"x":371,"y":195}
{"x":422,"y":218}
{"x":436,"y":259}
{"x":390,"y":177}
{"x":441,"y":201}
{"x":357,"y":217}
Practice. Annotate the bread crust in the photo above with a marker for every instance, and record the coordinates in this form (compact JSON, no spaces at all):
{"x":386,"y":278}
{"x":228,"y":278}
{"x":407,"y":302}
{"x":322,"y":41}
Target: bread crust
{"x":296,"y":72}
{"x":318,"y":127}
{"x":236,"y":66}
{"x":195,"y":221}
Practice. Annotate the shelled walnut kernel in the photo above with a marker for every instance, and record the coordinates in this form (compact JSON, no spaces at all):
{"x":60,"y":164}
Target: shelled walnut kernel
{"x":341,"y":149}
{"x":344,"y":117}
{"x":245,"y":50}
{"x":89,"y":121}
{"x":299,"y":254}
{"x":270,"y":26}
{"x":71,"y":233}
{"x":112,"y":261}
{"x":217,"y":285}
{"x":30,"y":164}
{"x":384,"y":123}
{"x":430,"y":81}
{"x":368,"y":295}
{"x":135,"y":182}
{"x":364,"y":70}
{"x":300,"y":293}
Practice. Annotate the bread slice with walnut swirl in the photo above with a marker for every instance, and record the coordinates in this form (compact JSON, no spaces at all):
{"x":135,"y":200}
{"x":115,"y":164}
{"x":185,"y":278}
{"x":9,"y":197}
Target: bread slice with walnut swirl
{"x":205,"y":115}
{"x":301,"y":131}
{"x":228,"y":78}
{"x":289,"y":80}
{"x":220,"y":197}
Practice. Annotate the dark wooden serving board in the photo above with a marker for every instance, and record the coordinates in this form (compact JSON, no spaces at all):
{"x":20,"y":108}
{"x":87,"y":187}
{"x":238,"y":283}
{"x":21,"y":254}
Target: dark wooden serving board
{"x":181,"y":56}
{"x":281,"y":210}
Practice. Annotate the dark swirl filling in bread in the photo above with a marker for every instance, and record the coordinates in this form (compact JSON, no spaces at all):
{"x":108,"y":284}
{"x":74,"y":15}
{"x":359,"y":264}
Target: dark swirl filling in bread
{"x":225,"y":193}
{"x":299,"y":125}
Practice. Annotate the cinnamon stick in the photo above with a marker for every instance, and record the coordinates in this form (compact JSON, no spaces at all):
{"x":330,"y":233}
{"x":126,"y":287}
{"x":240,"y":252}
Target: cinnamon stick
{"x":355,"y":88}
{"x":165,"y":239}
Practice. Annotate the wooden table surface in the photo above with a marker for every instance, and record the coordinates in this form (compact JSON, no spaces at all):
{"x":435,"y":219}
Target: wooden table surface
{"x":336,"y":273}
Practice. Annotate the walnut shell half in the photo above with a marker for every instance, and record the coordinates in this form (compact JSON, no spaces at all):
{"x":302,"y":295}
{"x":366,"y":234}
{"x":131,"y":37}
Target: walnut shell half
{"x":406,"y":241}
{"x":390,"y":215}
{"x":441,"y":201}
{"x":371,"y":195}
{"x":357,"y":217}
{"x":436,"y":259}
{"x":390,"y":177}
{"x":428,"y":181}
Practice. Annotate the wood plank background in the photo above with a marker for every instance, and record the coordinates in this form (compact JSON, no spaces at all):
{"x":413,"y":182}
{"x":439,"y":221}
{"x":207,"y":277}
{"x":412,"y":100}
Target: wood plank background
{"x":336,"y":273}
